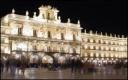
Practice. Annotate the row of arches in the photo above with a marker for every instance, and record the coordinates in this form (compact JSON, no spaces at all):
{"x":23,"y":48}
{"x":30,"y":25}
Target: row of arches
{"x":44,"y":57}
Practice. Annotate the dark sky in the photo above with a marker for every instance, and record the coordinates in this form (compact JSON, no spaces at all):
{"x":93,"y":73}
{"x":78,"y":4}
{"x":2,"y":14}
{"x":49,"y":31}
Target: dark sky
{"x":98,"y":15}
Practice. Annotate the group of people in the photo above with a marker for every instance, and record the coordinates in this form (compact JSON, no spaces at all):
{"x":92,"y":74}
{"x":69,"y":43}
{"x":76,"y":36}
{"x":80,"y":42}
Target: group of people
{"x":13,"y":65}
{"x":77,"y":64}
{"x":80,"y":65}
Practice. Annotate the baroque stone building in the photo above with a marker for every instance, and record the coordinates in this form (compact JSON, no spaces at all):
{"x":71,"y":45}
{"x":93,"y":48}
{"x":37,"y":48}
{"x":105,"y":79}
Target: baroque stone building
{"x":45,"y":34}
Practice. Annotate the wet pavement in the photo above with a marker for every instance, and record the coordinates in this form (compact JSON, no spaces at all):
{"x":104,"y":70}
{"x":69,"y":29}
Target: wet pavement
{"x":42,"y":73}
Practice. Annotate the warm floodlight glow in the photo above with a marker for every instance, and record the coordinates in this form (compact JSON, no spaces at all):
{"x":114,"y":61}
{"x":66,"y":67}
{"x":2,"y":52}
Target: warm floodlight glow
{"x":22,"y":46}
{"x":6,"y":19}
{"x":14,"y":30}
{"x":46,"y":33}
{"x":6,"y":50}
{"x":27,"y":30}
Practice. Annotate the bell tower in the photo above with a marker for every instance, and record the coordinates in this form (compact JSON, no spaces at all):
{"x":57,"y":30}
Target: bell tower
{"x":47,"y":12}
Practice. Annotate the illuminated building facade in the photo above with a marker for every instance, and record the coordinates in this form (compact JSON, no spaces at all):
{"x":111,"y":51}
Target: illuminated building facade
{"x":103,"y":48}
{"x":45,"y":34}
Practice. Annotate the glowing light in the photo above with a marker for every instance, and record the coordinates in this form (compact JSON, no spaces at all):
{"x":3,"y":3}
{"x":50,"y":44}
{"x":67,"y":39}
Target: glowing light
{"x":17,"y":56}
{"x":97,"y":54}
{"x":27,"y":30}
{"x":6,"y":50}
{"x":6,"y":40}
{"x":14,"y":30}
{"x":22,"y":46}
{"x":91,"y":47}
{"x":69,"y":36}
{"x":91,"y":40}
{"x":91,"y":54}
{"x":6,"y":19}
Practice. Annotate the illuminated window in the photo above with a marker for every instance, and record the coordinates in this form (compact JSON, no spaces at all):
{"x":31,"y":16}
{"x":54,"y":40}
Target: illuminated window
{"x":6,"y":50}
{"x":6,"y":40}
{"x":101,"y":41}
{"x":97,"y":54}
{"x":91,"y":47}
{"x":91,"y":54}
{"x":85,"y":46}
{"x":102,"y":48}
{"x":102,"y":54}
{"x":112,"y":55}
{"x":27,"y":30}
{"x":106,"y":42}
{"x":14,"y":30}
{"x":91,"y":40}
{"x":107,"y":48}
{"x":97,"y":47}
{"x":111,"y":48}
{"x":97,"y":41}
{"x":39,"y":34}
{"x":22,"y":46}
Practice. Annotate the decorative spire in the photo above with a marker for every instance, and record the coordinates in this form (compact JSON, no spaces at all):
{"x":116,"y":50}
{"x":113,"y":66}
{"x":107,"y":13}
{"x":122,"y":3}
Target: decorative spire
{"x":122,"y":36}
{"x":106,"y":34}
{"x":78,"y":22}
{"x":85,"y":31}
{"x":110,"y":34}
{"x":27,"y":13}
{"x":13,"y":11}
{"x":90,"y":31}
{"x":68,"y":20}
{"x":96,"y":32}
{"x":115,"y":35}
{"x":34,"y":15}
{"x":101,"y":33}
{"x":118,"y":36}
{"x":59,"y":18}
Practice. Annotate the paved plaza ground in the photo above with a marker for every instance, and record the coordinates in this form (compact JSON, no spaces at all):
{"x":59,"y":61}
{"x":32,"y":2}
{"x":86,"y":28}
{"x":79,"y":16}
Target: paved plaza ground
{"x":42,"y":73}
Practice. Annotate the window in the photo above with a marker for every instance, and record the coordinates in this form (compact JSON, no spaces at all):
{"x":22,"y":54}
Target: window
{"x":74,"y":50}
{"x":91,"y":40}
{"x":74,"y":37}
{"x":19,"y":31}
{"x":34,"y":33}
{"x":62,"y":36}
{"x":27,"y":30}
{"x":48,"y":17}
{"x":49,"y":34}
{"x":48,"y":49}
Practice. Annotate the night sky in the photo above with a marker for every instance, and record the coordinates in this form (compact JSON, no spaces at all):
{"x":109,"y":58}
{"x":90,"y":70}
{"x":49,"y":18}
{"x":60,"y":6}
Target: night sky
{"x":97,"y":15}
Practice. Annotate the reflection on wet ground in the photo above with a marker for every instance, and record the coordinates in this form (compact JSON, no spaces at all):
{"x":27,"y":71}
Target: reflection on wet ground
{"x":42,"y":73}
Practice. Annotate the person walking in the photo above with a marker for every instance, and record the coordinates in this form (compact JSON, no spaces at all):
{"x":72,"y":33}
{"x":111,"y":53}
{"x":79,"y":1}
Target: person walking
{"x":18,"y":62}
{"x":23,"y":64}
{"x":72,"y":64}
{"x":7,"y":64}
{"x":1,"y":65}
{"x":12,"y":65}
